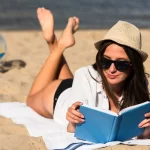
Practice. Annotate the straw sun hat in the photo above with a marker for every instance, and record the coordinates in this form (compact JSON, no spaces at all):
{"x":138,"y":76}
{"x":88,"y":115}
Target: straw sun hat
{"x":126,"y":34}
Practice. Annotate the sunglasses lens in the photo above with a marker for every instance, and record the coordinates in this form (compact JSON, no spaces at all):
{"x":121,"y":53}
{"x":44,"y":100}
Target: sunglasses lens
{"x":122,"y":65}
{"x":105,"y":63}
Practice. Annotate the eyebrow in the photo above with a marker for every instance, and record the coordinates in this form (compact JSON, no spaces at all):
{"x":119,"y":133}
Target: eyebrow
{"x":117,"y":58}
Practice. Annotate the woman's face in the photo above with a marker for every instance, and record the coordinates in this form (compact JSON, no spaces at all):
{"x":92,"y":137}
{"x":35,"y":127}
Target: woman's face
{"x":115,"y":77}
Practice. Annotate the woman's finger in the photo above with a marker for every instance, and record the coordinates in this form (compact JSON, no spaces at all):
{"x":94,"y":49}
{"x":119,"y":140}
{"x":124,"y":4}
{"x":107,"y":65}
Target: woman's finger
{"x":75,"y":117}
{"x":147,"y":115}
{"x":76,"y":105}
{"x":74,"y":114}
{"x":72,"y":120}
{"x":145,"y":123}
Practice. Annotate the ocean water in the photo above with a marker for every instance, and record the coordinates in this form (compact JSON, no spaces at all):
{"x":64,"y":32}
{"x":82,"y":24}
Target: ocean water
{"x":93,"y":14}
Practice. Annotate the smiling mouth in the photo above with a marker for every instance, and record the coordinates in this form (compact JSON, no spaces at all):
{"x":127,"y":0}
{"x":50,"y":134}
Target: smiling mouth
{"x":112,"y":76}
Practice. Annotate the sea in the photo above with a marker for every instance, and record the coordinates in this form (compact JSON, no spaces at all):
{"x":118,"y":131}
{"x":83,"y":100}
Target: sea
{"x":93,"y":14}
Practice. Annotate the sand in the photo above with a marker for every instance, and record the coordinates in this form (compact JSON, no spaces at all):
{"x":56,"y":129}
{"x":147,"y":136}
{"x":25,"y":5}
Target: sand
{"x":30,"y":47}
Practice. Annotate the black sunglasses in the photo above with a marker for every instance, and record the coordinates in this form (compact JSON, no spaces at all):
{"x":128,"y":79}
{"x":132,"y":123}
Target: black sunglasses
{"x":121,"y":66}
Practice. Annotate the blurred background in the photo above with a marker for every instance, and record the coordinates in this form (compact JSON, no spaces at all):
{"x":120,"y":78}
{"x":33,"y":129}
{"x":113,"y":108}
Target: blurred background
{"x":93,"y":14}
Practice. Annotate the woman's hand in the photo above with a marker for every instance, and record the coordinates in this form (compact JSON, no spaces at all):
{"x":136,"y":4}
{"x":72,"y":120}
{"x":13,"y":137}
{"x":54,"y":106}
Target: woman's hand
{"x":145,"y":124}
{"x":74,"y":116}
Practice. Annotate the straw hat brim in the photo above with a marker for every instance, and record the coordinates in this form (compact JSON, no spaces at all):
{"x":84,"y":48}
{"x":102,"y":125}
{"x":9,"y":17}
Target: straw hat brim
{"x":143,"y":55}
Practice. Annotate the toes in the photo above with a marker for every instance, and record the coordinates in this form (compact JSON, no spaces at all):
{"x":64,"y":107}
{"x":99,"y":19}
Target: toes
{"x":43,"y":11}
{"x":39,"y":13}
{"x":77,"y":20}
{"x":76,"y":23}
{"x":39,"y":10}
{"x":44,"y":14}
{"x":71,"y":21}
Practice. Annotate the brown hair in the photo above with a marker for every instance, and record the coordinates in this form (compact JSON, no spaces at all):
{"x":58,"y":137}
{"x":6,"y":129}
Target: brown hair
{"x":136,"y":85}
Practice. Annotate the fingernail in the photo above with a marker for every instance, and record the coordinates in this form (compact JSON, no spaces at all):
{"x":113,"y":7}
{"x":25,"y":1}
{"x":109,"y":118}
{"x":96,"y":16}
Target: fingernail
{"x":82,"y":116}
{"x":139,"y":126}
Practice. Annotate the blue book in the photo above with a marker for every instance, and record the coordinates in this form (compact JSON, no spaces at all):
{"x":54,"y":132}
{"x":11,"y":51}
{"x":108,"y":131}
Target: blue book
{"x":102,"y":126}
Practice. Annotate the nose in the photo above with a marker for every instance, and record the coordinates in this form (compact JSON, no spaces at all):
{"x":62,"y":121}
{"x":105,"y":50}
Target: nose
{"x":112,"y":68}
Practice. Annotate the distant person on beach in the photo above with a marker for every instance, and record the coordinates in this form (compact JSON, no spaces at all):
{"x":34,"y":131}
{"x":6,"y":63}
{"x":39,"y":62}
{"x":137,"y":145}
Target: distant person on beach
{"x":115,"y":81}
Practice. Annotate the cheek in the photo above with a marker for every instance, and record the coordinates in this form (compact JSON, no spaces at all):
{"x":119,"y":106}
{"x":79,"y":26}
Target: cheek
{"x":123,"y":76}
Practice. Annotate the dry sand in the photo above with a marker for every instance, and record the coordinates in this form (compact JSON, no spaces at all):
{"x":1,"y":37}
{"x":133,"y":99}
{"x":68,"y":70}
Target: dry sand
{"x":30,"y":47}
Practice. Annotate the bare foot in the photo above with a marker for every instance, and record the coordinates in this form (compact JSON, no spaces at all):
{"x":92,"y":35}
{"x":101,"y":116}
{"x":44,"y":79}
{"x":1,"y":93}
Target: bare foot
{"x":67,"y":39}
{"x":46,"y":21}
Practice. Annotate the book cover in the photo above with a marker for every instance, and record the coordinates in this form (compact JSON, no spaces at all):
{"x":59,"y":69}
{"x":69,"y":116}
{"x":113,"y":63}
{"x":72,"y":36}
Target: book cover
{"x":102,"y":126}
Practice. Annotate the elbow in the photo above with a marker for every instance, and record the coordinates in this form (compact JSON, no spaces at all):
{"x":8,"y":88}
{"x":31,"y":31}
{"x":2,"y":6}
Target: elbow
{"x":36,"y":105}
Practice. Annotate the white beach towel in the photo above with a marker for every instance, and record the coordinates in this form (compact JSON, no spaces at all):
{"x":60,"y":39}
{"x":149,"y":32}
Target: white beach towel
{"x":54,"y":135}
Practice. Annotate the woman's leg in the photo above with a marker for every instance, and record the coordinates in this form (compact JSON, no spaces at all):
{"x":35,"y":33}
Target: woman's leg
{"x":45,"y":85}
{"x":46,"y":21}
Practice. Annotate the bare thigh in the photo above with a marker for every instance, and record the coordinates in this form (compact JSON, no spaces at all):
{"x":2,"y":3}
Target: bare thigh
{"x":42,"y":101}
{"x":48,"y":97}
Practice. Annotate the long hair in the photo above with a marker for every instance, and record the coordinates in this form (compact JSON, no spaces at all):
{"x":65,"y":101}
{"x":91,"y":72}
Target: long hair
{"x":136,"y":85}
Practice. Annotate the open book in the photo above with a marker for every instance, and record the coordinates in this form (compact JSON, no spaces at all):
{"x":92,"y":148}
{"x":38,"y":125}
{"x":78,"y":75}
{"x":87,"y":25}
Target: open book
{"x":103,"y":126}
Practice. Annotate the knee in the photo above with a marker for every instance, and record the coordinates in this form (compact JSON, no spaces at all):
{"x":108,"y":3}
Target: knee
{"x":39,"y":106}
{"x":28,"y":101}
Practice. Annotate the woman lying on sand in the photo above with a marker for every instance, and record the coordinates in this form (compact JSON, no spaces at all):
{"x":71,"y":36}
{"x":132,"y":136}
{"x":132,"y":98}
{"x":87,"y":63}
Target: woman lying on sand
{"x":113,"y":82}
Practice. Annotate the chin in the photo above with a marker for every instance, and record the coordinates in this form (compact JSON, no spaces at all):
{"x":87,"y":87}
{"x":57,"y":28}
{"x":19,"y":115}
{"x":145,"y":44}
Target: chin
{"x":114,"y":82}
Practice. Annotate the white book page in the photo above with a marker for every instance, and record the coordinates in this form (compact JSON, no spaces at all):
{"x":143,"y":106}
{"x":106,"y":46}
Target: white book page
{"x":132,"y":107}
{"x":102,"y":110}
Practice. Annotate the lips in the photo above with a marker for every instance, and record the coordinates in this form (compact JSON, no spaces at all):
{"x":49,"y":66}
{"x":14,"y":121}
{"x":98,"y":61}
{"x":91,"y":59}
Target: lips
{"x":112,"y":76}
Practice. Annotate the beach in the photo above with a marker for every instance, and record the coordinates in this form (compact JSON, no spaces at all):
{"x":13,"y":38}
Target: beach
{"x":30,"y":47}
